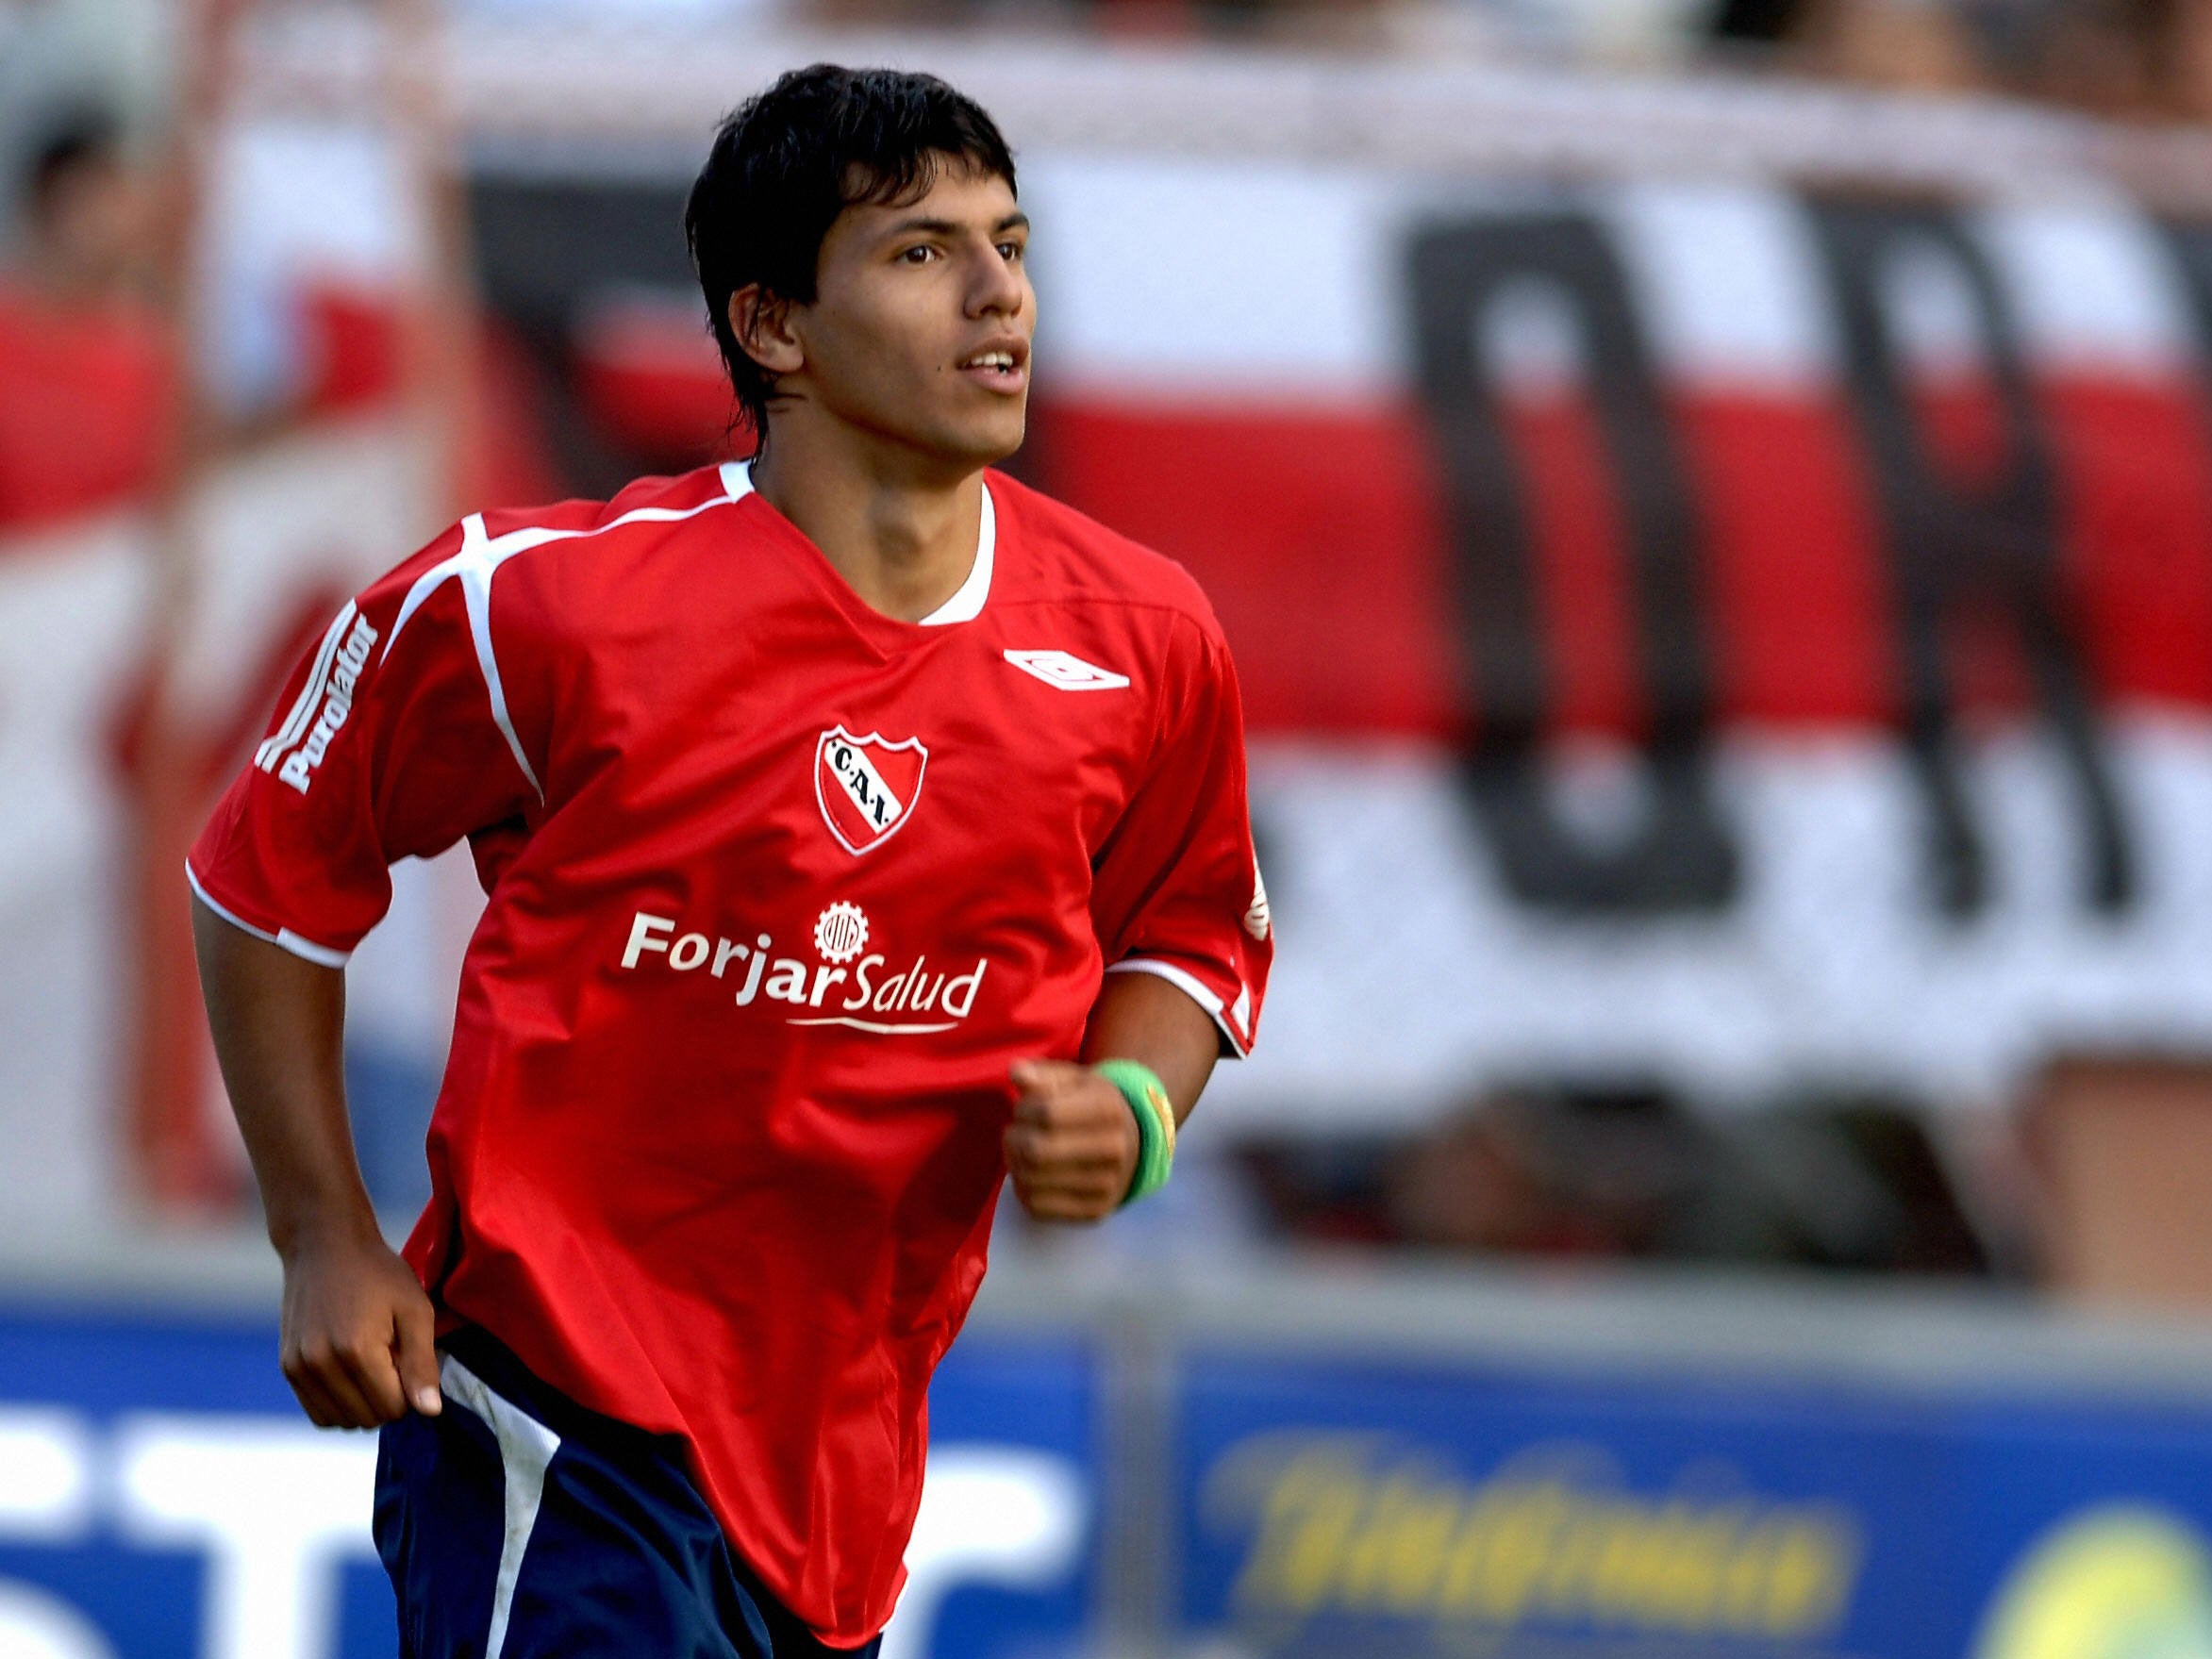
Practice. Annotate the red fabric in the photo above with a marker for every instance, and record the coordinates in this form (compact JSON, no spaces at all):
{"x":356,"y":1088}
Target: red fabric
{"x":85,"y":401}
{"x":1315,"y":531}
{"x":1319,"y":532}
{"x":653,"y":383}
{"x":706,"y":1157}
{"x":354,"y":345}
{"x":1799,"y":603}
{"x":2137,"y":520}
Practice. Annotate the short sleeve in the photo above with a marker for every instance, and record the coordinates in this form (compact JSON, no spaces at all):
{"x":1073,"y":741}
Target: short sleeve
{"x":392,"y":739}
{"x":1178,"y":891}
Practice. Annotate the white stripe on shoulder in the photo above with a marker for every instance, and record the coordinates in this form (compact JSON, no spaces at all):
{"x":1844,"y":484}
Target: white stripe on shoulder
{"x":478,"y":560}
{"x":525,"y":1452}
{"x":306,"y":949}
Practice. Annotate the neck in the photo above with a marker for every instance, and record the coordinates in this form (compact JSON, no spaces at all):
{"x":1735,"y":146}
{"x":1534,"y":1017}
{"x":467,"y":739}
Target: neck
{"x":903,"y":536}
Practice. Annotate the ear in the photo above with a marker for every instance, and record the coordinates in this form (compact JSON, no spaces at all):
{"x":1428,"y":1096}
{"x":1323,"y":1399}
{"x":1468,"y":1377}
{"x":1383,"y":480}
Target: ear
{"x":762,"y":322}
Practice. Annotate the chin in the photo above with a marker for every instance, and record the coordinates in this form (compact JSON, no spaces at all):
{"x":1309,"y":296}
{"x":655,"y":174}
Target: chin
{"x":982,"y":444}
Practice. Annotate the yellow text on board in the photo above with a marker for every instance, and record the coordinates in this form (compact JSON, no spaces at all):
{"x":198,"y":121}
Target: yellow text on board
{"x":1361,"y":1525}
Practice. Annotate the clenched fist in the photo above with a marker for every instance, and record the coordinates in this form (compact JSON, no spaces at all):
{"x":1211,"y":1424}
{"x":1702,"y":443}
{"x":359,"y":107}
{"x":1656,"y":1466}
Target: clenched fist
{"x":1071,"y":1148}
{"x":357,"y":1333}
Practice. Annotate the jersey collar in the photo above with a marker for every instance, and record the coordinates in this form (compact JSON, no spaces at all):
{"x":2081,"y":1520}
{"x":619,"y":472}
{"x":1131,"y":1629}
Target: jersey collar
{"x":966,"y":603}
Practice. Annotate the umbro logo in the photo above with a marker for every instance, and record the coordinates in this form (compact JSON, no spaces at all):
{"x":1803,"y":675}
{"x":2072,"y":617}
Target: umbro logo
{"x":1064,"y":673}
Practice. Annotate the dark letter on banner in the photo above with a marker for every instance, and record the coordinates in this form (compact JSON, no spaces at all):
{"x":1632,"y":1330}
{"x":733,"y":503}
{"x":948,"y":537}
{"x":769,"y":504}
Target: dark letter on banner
{"x":1956,"y":544}
{"x":1681,"y":855}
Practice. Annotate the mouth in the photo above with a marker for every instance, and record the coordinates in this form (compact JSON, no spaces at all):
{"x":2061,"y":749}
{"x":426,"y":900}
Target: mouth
{"x":1001,"y":367}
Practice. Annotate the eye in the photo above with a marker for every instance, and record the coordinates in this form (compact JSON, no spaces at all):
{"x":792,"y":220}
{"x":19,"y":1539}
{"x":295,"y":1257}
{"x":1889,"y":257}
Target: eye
{"x":920,"y":253}
{"x":1011,"y":251}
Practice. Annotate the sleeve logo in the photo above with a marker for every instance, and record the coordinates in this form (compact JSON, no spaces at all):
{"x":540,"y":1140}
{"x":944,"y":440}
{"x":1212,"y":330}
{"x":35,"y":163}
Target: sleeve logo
{"x":296,"y":748}
{"x":866,"y":787}
{"x":1258,"y":921}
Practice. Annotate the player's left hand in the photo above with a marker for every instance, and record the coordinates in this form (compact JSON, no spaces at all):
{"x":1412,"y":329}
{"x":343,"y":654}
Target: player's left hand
{"x":1071,"y":1148}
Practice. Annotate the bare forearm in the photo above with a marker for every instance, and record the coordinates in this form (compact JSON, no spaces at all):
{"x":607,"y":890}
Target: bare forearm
{"x":1072,"y":1145}
{"x":280,"y":1029}
{"x":358,"y":1333}
{"x":1142,"y":1017}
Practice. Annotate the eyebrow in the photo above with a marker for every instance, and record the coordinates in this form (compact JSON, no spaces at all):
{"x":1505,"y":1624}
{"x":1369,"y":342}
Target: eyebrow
{"x":947,"y":228}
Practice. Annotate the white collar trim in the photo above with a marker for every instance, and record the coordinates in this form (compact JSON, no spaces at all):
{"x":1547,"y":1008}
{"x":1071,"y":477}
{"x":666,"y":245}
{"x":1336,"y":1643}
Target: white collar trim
{"x":966,"y":603}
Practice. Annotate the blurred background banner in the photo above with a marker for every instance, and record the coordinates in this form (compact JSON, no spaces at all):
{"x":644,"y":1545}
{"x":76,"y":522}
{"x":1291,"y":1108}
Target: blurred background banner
{"x":1714,"y":610}
{"x":1337,"y":1509}
{"x":1713,"y":512}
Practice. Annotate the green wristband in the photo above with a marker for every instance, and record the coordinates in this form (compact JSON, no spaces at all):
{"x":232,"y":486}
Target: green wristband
{"x":1155,"y":1123}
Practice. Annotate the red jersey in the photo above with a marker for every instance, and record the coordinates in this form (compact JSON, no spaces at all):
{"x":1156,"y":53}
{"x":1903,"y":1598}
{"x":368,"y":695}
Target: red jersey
{"x":779,"y":887}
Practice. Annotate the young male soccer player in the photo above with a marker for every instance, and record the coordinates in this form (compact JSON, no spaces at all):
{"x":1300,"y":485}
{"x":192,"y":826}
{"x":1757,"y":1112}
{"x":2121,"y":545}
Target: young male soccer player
{"x":859,"y":827}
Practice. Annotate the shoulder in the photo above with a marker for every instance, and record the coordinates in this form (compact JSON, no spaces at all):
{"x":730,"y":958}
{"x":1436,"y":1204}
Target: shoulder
{"x":567,"y":558}
{"x":648,"y":512}
{"x":1070,"y":558}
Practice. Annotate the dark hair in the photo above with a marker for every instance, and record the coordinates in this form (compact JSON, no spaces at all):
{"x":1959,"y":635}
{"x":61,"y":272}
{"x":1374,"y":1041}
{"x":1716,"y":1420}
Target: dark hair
{"x":786,"y":163}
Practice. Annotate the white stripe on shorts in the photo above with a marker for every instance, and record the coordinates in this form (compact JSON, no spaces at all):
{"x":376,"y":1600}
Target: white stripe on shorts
{"x":525,"y":1447}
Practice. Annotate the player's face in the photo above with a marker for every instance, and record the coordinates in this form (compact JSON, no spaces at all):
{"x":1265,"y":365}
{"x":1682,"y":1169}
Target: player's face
{"x":921,"y":321}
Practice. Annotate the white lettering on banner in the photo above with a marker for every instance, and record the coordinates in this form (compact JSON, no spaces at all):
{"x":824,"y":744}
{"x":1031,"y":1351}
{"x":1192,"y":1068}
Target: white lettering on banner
{"x":862,"y":989}
{"x":35,"y":1624}
{"x":336,"y":675}
{"x":46,"y":1498}
{"x":45,"y":1474}
{"x":989,"y":1514}
{"x":276,"y":1509}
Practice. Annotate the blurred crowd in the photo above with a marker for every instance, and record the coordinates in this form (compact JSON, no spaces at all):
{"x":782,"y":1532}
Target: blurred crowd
{"x":82,"y":351}
{"x":1574,"y":1179}
{"x":2137,"y":60}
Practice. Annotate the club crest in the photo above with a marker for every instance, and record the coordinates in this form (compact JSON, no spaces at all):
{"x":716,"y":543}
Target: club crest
{"x":867,"y":786}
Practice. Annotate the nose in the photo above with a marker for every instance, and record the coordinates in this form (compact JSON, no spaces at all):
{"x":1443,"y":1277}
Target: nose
{"x":996,"y":288}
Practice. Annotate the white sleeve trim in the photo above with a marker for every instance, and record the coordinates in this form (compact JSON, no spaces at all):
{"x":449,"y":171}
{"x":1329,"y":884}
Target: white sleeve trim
{"x":307,"y":949}
{"x":1191,"y":987}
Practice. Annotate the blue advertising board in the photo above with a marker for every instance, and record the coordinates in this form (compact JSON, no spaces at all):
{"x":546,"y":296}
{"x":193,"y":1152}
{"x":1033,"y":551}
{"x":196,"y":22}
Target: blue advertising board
{"x":1347,"y":1509}
{"x":162,"y":1498}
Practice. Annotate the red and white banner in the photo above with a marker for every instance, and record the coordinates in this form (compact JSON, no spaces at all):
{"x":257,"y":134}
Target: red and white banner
{"x":1697,"y":632}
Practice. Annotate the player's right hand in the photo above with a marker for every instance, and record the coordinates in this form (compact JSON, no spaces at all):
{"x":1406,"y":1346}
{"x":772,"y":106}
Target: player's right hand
{"x":358,"y":1331}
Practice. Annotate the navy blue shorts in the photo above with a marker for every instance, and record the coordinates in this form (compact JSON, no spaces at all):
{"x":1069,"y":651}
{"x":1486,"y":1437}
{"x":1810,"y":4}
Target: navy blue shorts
{"x":517,"y":1525}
